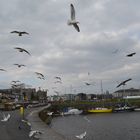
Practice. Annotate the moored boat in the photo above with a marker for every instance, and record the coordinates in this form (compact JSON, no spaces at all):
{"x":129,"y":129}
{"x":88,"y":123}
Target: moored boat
{"x":137,"y":109}
{"x":100,"y":110}
{"x":124,"y":108}
{"x":73,"y":112}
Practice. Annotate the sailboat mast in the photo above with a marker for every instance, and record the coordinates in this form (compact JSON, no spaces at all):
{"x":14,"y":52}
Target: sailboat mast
{"x":101,"y":87}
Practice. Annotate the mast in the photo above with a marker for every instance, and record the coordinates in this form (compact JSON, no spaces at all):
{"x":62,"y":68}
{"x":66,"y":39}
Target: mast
{"x":101,"y":87}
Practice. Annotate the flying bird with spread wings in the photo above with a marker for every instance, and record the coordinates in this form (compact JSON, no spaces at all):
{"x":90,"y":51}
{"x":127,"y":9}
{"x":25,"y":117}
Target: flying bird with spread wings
{"x":25,"y":121}
{"x":2,"y":70}
{"x":20,"y":65}
{"x":59,"y":78}
{"x":131,"y":54}
{"x":34,"y":133}
{"x":42,"y":78}
{"x":123,"y":82}
{"x":20,"y":33}
{"x":88,"y":84}
{"x":22,"y":50}
{"x":73,"y":21}
{"x":15,"y":81}
{"x":81,"y":136}
{"x":40,"y":75}
{"x":6,"y":118}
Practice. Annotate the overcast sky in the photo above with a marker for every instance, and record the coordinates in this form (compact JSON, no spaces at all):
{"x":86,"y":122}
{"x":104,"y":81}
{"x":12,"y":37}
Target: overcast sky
{"x":109,"y":30}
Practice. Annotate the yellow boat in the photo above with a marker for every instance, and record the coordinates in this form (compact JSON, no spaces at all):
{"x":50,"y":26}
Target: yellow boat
{"x":100,"y":110}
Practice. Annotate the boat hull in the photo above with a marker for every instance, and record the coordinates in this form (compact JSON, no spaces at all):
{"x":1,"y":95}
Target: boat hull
{"x":100,"y":111}
{"x":124,"y":109}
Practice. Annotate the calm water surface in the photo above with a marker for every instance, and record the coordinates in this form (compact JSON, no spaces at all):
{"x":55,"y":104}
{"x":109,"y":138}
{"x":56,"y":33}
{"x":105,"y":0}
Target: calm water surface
{"x":112,"y":126}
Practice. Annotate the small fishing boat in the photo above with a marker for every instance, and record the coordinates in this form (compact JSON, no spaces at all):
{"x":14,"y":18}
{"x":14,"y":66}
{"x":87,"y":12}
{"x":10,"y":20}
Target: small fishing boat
{"x":124,"y":108}
{"x":100,"y":110}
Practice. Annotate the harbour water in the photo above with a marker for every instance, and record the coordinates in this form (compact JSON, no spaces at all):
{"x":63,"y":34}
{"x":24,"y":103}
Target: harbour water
{"x":110,"y":126}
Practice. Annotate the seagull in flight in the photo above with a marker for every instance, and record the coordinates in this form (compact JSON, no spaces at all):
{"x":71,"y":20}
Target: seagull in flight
{"x":59,"y":78}
{"x":81,"y":136}
{"x":22,"y":50}
{"x":73,"y":21}
{"x":131,"y":54}
{"x":34,"y":133}
{"x":19,"y":65}
{"x":15,"y":81}
{"x":50,"y":113}
{"x":43,"y":78}
{"x":39,"y":74}
{"x":20,"y":33}
{"x":25,"y":121}
{"x":88,"y":84}
{"x":123,"y":82}
{"x":2,"y":70}
{"x":6,"y":118}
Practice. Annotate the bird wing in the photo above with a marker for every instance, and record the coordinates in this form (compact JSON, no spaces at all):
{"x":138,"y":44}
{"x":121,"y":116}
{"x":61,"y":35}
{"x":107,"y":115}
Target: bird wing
{"x":127,"y":80}
{"x":28,"y":123}
{"x":31,"y":133}
{"x":2,"y":70}
{"x":78,"y":137}
{"x":26,"y":51}
{"x":41,"y":78}
{"x":119,"y":85}
{"x":8,"y":116}
{"x":24,"y":121}
{"x":87,"y":84}
{"x":131,"y":54}
{"x":15,"y":32}
{"x":24,"y":33}
{"x":123,"y":83}
{"x":76,"y":27}
{"x":72,"y":12}
{"x":18,"y":48}
{"x":58,"y":78}
{"x":38,"y":73}
{"x":13,"y":81}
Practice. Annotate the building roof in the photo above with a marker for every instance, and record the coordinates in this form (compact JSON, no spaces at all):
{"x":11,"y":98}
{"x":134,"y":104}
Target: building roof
{"x":127,"y":90}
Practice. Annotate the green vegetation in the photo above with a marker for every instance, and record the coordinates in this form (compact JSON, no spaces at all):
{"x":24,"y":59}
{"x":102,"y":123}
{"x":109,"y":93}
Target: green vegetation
{"x":84,"y":105}
{"x":45,"y":117}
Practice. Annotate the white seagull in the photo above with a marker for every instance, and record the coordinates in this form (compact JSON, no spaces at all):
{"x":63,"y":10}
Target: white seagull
{"x":34,"y":133}
{"x":5,"y":119}
{"x":25,"y":121}
{"x":81,"y":136}
{"x":73,"y":21}
{"x":50,"y":113}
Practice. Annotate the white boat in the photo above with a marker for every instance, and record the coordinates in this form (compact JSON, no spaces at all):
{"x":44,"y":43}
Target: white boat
{"x":137,"y":109}
{"x":73,"y":112}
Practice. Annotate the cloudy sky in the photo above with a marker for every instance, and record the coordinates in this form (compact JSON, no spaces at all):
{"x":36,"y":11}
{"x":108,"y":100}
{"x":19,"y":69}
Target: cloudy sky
{"x":109,"y":30}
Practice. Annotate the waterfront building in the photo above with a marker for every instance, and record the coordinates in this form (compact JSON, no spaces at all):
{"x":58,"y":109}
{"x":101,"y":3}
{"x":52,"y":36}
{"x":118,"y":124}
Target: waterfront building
{"x":126,"y":92}
{"x":42,"y":95}
{"x":80,"y":97}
